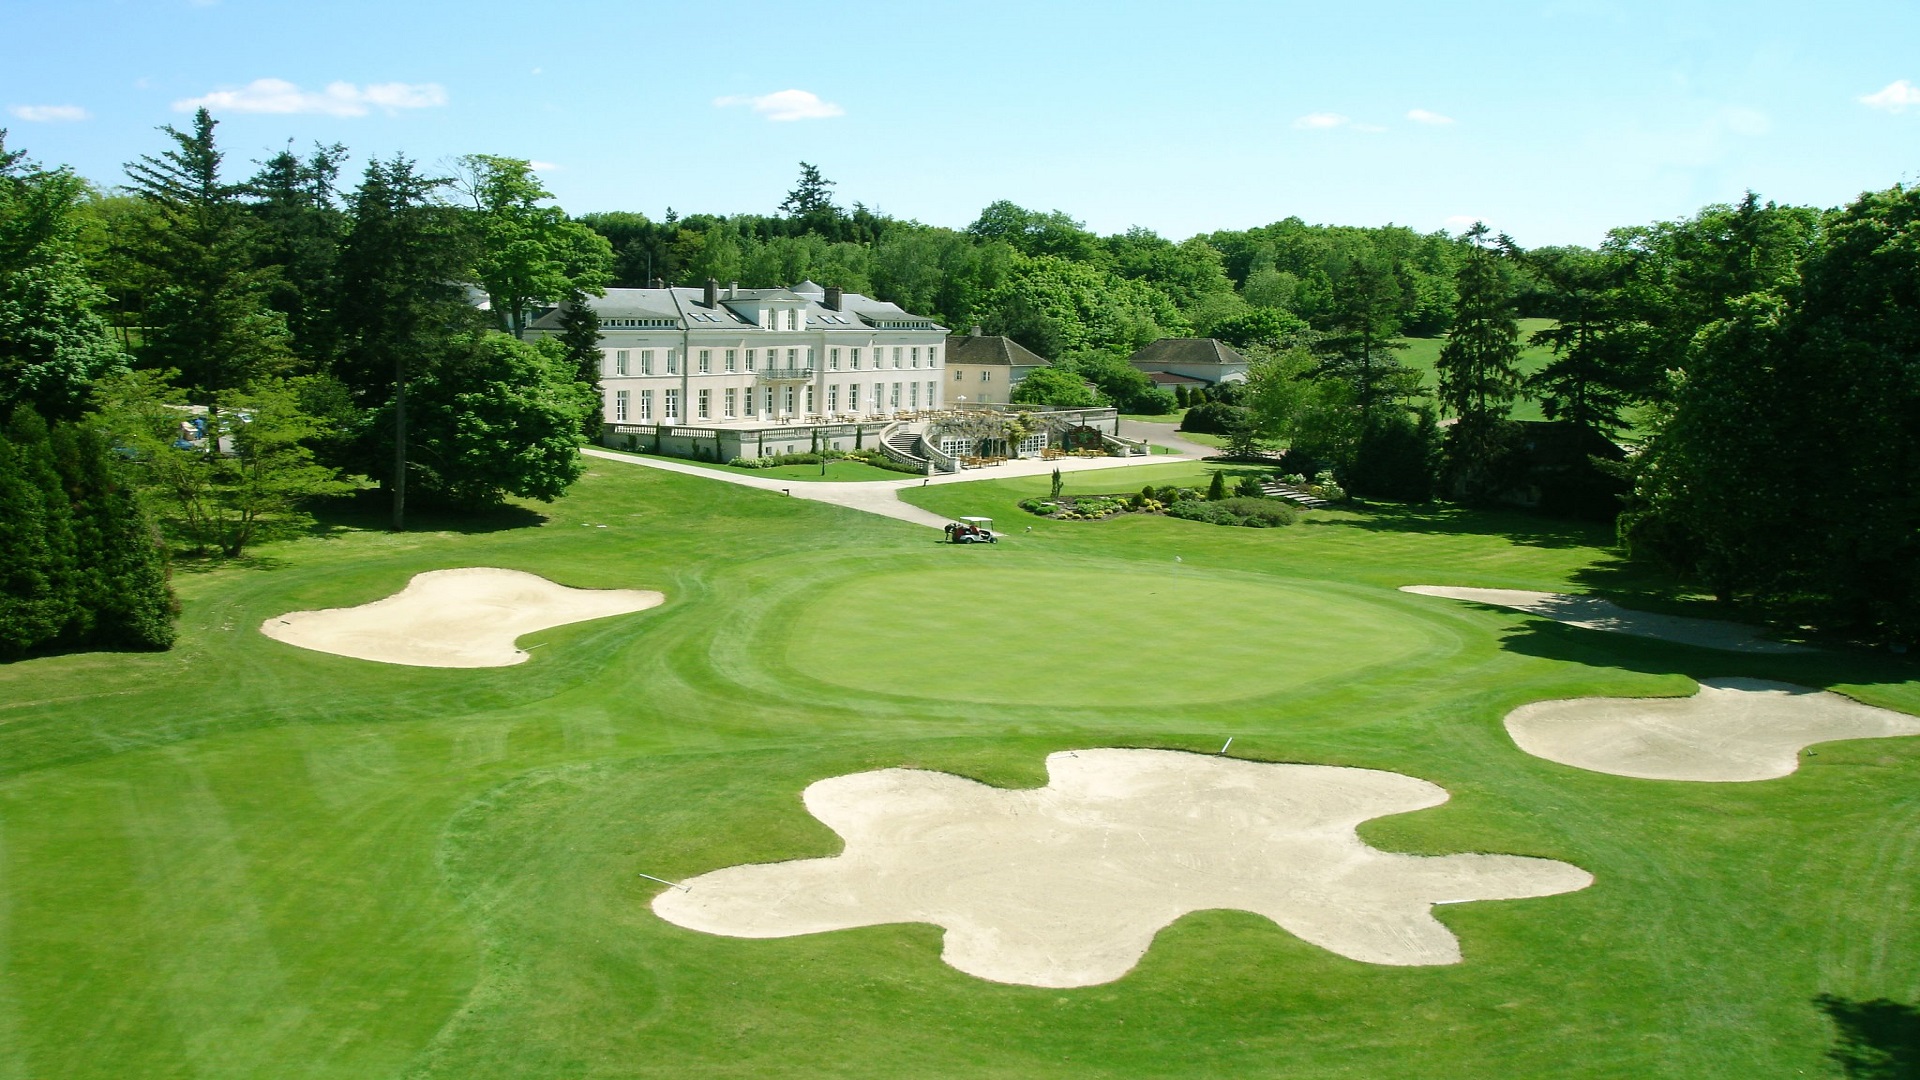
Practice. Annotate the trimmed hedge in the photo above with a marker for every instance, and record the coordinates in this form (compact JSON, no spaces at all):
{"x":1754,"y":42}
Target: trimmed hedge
{"x":1249,"y":513}
{"x":869,"y":457}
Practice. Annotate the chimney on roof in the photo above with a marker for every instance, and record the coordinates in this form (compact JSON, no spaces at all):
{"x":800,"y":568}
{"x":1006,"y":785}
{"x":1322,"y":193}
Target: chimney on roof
{"x":733,"y":290}
{"x":833,"y":298}
{"x":713,"y":292}
{"x":656,"y":283}
{"x":976,"y":331}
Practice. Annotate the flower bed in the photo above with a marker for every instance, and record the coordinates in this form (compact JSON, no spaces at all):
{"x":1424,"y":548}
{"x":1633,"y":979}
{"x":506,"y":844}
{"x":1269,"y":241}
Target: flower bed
{"x":1184,"y":503}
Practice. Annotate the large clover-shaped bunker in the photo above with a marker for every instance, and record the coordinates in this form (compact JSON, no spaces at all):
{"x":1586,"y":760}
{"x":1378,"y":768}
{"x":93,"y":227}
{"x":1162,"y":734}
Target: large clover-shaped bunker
{"x":1066,"y":885}
{"x":1732,"y":729}
{"x":463,"y":618}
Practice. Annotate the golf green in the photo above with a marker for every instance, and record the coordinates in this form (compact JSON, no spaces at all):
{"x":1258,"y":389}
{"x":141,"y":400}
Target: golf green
{"x":987,"y":632}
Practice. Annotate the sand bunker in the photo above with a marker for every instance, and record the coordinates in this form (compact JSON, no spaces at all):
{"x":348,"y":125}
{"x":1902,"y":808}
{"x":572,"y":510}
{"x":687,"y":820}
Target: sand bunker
{"x":1066,"y":885}
{"x":1733,"y":729}
{"x":1594,"y":613}
{"x":453,"y":618}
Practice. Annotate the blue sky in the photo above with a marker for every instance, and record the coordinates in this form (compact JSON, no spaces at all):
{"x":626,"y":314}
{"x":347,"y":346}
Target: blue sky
{"x":1554,"y":120}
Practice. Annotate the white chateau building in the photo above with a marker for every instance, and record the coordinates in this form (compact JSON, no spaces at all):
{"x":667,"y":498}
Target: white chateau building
{"x":690,"y":363}
{"x":726,"y":372}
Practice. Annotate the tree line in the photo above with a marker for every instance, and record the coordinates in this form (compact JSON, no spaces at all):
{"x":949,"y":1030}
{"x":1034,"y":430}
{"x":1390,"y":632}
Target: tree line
{"x":198,"y":357}
{"x":1757,"y":359}
{"x":245,"y":345}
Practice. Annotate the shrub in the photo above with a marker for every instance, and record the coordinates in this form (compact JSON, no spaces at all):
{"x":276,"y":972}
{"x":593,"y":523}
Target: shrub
{"x":1249,"y":488}
{"x":1250,"y":513}
{"x":1260,"y":513}
{"x":775,"y":460}
{"x":1217,"y":487}
{"x":1398,"y":458}
{"x":869,"y":457}
{"x":1215,"y":418}
{"x":1201,"y":510}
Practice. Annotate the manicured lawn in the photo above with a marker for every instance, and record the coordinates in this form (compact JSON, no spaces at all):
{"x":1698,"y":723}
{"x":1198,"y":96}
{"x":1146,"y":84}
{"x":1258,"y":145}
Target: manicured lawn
{"x":1421,"y":353}
{"x":241,"y":859}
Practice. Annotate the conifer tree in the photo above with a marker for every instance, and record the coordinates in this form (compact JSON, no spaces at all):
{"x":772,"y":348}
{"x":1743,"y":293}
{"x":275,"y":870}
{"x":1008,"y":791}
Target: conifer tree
{"x":39,"y":569}
{"x":124,"y":591}
{"x":297,"y":226}
{"x":398,"y":305}
{"x":207,"y":314}
{"x":1478,"y":366}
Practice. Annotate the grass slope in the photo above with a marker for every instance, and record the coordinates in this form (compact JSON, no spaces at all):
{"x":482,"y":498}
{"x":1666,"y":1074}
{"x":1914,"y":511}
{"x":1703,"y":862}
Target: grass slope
{"x":240,"y":859}
{"x":1421,"y":353}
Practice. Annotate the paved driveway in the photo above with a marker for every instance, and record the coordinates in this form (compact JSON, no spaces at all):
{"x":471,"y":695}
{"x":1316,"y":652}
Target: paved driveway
{"x":882,"y":497}
{"x":1164,"y":435}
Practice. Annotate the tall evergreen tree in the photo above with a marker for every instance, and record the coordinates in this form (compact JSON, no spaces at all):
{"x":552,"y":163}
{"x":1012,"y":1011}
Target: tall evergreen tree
{"x":39,"y":557}
{"x":580,"y":343}
{"x":297,"y":227}
{"x":398,"y":305}
{"x":1597,"y":352}
{"x":1360,"y":347}
{"x":810,"y":204}
{"x":207,"y":316}
{"x":1478,"y":366}
{"x":580,"y":336}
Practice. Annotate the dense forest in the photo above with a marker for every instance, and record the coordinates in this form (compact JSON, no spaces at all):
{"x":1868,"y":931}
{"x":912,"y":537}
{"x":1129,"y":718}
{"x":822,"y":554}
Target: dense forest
{"x":245,"y":346}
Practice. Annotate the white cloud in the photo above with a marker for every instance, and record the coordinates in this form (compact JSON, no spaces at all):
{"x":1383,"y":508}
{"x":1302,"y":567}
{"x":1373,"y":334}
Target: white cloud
{"x":1320,"y":121}
{"x":543,"y":166}
{"x":49,"y":114}
{"x":538,"y":71}
{"x":1427,"y":116}
{"x":784,"y":105}
{"x":1896,"y":96}
{"x":338,"y":99}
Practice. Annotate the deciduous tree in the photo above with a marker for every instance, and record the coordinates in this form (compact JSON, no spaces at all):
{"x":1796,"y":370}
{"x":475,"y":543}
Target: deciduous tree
{"x":499,"y":417}
{"x":53,"y":342}
{"x":528,"y":253}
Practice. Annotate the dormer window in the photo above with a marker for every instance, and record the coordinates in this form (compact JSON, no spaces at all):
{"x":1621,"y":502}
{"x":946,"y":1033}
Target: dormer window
{"x":792,"y":318}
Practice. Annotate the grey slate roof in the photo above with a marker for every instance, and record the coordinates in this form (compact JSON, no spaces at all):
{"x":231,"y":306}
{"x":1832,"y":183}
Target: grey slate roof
{"x":986,"y":349}
{"x":680,"y":306}
{"x":1168,"y":378}
{"x":1186,"y":351}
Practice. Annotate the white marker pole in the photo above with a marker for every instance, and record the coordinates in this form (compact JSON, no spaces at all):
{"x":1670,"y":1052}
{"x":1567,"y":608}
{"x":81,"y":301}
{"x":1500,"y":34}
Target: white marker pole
{"x":664,"y":881}
{"x":1230,"y":739}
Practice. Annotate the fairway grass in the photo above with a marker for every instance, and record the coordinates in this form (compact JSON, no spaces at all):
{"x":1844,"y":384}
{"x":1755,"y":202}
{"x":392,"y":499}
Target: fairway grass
{"x":237,"y":859}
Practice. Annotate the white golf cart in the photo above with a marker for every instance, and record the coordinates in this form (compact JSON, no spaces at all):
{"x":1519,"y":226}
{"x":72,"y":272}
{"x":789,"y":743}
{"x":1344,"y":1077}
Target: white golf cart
{"x":972,"y":530}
